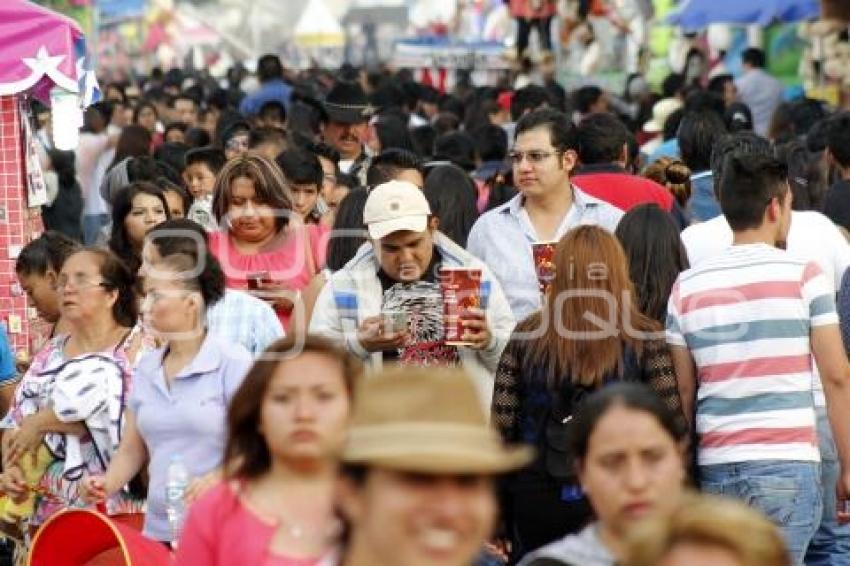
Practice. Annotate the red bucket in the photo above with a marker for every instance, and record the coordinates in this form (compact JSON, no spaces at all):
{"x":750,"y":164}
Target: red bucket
{"x":83,"y":537}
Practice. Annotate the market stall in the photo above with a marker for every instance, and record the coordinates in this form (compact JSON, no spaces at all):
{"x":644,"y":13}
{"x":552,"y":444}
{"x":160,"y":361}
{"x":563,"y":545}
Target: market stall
{"x":44,"y":57}
{"x":808,"y":37}
{"x":436,"y":61}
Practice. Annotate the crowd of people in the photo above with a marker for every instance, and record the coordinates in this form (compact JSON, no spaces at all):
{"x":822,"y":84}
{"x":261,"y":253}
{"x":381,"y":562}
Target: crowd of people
{"x":252,"y":286}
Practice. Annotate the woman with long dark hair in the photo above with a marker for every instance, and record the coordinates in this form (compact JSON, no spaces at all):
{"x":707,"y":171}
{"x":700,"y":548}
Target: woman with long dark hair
{"x":137,"y":208}
{"x":588,"y":334}
{"x":134,"y":141}
{"x":452,"y":196}
{"x":63,"y":214}
{"x":264,"y":251}
{"x":655,"y":254}
{"x":146,"y":116}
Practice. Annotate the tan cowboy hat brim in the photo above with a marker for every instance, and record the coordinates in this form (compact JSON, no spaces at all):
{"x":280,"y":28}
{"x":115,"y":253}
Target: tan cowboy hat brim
{"x":434,"y":448}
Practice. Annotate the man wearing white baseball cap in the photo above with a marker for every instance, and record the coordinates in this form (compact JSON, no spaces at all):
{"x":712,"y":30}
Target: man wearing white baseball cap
{"x":385,"y":305}
{"x":662,"y":110}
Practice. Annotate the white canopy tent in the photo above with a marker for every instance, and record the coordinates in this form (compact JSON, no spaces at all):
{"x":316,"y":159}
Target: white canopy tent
{"x":318,"y":27}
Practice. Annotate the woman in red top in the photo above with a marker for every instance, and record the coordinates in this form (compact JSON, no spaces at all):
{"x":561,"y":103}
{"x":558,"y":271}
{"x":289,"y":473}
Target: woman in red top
{"x":287,"y":423}
{"x":265,"y":247}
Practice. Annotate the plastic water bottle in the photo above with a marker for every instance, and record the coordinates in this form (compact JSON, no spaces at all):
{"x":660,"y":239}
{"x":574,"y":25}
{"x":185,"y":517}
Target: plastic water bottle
{"x":177,"y":479}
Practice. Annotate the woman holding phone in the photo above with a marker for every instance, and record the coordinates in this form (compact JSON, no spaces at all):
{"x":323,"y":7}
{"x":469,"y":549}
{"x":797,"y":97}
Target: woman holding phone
{"x":265,"y":247}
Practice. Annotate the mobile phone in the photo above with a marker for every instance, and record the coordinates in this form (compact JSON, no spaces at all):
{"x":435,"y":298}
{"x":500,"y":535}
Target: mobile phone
{"x":257,"y":280}
{"x":395,"y":321}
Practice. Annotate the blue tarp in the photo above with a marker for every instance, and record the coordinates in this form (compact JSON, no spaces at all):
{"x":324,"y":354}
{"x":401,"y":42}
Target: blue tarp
{"x":120,"y":9}
{"x":697,"y":14}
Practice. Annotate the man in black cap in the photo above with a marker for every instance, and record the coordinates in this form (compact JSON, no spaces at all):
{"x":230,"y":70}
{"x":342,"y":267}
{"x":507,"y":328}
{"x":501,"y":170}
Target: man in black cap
{"x":345,"y":124}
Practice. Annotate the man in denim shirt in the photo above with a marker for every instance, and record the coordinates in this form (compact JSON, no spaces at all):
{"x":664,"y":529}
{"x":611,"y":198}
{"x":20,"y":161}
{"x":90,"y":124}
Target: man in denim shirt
{"x":758,"y":89}
{"x":697,"y":135}
{"x":272,"y":88}
{"x":547,"y":206}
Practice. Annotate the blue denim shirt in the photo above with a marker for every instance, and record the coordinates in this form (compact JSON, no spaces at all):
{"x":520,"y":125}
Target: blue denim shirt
{"x":7,"y":359}
{"x":670,"y":148}
{"x":271,"y":91}
{"x":703,"y":204}
{"x":843,"y":307}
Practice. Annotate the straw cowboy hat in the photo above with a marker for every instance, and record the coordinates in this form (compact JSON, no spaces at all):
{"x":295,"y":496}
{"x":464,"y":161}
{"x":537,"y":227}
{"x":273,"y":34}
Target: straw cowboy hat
{"x":426,"y":420}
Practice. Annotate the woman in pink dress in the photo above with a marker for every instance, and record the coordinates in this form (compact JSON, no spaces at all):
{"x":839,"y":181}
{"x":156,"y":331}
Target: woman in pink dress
{"x":265,"y":247}
{"x":287,"y":424}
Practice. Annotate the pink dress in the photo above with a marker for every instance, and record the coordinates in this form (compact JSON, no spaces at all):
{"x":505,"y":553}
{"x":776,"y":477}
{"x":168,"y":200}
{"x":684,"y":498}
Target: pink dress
{"x":288,"y":263}
{"x":222,"y":530}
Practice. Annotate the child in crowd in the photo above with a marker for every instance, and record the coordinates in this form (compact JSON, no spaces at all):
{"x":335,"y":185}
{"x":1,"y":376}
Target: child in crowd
{"x":202,"y":166}
{"x":303,"y":172}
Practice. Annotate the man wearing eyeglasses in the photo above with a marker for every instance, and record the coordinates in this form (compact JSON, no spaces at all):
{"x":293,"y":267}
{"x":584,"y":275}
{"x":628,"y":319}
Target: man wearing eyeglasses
{"x":236,"y":138}
{"x":547,"y":207}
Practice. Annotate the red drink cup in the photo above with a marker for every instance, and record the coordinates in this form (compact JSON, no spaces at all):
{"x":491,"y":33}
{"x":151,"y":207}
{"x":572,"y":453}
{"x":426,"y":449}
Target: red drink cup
{"x":461,"y":289}
{"x":544,"y":263}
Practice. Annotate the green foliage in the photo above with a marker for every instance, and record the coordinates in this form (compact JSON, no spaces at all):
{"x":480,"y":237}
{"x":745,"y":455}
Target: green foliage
{"x":81,"y":14}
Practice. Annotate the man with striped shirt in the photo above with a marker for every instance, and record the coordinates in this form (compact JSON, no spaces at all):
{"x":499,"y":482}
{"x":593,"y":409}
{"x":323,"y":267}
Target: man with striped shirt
{"x":743,"y":327}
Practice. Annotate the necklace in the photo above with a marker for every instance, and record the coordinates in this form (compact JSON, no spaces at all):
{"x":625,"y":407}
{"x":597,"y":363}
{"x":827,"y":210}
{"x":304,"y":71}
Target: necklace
{"x":301,"y":532}
{"x":294,"y":530}
{"x":329,"y":529}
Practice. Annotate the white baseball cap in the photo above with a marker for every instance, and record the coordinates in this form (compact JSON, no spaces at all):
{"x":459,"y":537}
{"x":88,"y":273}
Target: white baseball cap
{"x":395,"y":206}
{"x":660,"y":112}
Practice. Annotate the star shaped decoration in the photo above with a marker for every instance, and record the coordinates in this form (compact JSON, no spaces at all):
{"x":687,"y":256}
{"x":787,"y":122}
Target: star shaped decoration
{"x":43,"y":63}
